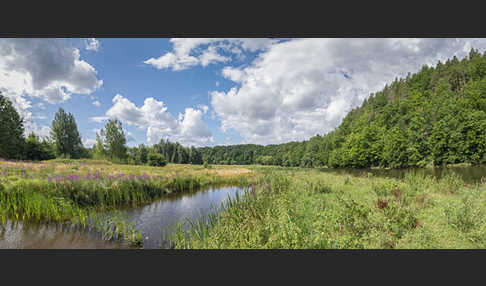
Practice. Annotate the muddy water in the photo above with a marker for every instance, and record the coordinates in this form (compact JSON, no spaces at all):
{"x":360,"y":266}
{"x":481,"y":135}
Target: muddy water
{"x":154,"y":220}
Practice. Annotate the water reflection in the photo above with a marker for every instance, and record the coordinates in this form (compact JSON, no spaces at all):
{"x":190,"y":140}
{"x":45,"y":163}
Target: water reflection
{"x":158,"y":219}
{"x":50,"y":236}
{"x":154,"y":220}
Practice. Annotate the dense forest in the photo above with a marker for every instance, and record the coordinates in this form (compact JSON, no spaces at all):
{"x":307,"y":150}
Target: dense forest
{"x":435,"y":116}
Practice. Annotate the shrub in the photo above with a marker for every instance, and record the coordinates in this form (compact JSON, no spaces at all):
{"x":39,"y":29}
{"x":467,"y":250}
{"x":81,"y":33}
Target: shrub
{"x":155,"y":159}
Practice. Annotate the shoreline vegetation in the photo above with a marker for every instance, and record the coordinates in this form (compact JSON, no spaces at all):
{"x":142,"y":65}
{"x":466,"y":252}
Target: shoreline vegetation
{"x":88,"y":195}
{"x":282,"y":207}
{"x":308,"y":209}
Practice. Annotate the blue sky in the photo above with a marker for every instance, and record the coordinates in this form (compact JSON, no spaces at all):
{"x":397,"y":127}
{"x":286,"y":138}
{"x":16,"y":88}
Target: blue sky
{"x":208,"y":91}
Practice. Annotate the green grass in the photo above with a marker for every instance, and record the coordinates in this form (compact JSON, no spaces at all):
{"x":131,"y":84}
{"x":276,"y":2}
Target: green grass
{"x":314,"y":210}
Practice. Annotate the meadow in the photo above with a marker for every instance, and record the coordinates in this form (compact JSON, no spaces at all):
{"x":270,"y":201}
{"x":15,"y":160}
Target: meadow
{"x":307,"y":209}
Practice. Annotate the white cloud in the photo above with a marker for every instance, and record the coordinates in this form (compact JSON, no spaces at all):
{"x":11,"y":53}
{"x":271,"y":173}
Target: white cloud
{"x":188,"y":129}
{"x":99,"y":118}
{"x":43,"y":131}
{"x":92,"y":44}
{"x":296,"y":89}
{"x":211,"y":56}
{"x":96,"y":103}
{"x":203,"y":107}
{"x":130,"y":137}
{"x":89,"y":142}
{"x":50,"y":69}
{"x":47,"y":68}
{"x":189,"y":52}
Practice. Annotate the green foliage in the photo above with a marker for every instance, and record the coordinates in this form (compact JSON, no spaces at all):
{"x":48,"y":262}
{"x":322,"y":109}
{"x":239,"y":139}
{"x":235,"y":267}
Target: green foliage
{"x":65,"y":134}
{"x":11,"y":130}
{"x":143,"y":152}
{"x":156,"y":159}
{"x":176,"y":153}
{"x":111,"y":142}
{"x":36,"y":150}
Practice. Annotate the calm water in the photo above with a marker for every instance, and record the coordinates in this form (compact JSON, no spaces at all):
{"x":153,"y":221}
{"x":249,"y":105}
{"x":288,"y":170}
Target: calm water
{"x":154,"y":220}
{"x":470,"y":174}
{"x":50,"y":236}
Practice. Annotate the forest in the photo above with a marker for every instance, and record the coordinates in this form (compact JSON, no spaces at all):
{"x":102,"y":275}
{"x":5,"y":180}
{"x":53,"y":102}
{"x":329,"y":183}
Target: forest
{"x":436,"y":116}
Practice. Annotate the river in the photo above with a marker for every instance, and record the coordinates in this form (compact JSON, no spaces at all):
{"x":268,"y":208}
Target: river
{"x":153,"y":220}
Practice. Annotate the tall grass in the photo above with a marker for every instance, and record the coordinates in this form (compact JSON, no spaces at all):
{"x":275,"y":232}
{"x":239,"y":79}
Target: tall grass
{"x":307,"y":209}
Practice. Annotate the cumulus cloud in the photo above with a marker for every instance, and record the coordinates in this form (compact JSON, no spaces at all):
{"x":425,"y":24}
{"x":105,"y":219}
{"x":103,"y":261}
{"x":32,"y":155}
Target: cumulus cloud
{"x":96,"y":103}
{"x":46,"y":68}
{"x":92,"y":44}
{"x":50,"y":69}
{"x":203,"y":107}
{"x":193,"y":51}
{"x":211,"y":56}
{"x":299,"y":88}
{"x":89,"y":142}
{"x":188,"y":129}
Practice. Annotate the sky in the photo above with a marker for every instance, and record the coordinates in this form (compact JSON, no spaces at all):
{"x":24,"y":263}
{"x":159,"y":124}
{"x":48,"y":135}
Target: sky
{"x":206,"y":92}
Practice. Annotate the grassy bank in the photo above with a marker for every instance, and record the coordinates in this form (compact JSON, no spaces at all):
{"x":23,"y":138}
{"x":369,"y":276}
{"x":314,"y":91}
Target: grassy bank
{"x":88,"y":194}
{"x":310,"y":209}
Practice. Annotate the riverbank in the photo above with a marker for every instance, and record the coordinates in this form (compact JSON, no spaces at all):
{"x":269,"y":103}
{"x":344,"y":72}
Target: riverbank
{"x":284,"y":207}
{"x":313,"y":210}
{"x":88,"y":195}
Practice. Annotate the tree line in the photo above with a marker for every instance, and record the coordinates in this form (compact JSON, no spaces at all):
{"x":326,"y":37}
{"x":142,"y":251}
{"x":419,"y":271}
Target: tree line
{"x":437,"y":115}
{"x":64,"y":141}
